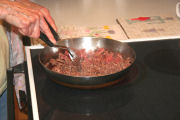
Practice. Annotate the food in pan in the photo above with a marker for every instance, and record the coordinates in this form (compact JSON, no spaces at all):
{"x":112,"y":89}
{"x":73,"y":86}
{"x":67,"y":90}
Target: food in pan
{"x":99,"y":62}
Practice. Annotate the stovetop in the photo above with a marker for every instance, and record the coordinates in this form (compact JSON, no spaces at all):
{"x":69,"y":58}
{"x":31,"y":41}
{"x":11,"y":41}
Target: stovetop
{"x":149,"y":91}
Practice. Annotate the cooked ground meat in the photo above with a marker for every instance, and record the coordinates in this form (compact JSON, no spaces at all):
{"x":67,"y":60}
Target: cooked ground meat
{"x":97,"y":63}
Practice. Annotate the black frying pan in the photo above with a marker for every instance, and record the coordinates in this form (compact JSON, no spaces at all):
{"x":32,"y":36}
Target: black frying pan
{"x":87,"y":43}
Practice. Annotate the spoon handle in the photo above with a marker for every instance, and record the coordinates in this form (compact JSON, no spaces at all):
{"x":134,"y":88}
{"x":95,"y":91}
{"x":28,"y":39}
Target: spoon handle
{"x":49,"y":43}
{"x":45,"y":38}
{"x":55,"y":34}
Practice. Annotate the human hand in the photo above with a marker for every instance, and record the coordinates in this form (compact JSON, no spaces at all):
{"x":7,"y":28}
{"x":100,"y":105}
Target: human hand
{"x":28,"y":17}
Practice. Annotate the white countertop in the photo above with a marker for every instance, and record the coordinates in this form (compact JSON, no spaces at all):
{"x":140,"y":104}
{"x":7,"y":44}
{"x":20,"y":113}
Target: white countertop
{"x":100,"y":12}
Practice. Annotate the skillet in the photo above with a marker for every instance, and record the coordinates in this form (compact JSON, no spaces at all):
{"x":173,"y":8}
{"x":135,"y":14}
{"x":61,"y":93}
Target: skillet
{"x":87,"y":43}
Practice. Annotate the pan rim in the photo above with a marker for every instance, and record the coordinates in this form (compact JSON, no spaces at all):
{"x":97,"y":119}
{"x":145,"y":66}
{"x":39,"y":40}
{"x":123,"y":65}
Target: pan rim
{"x":88,"y":77}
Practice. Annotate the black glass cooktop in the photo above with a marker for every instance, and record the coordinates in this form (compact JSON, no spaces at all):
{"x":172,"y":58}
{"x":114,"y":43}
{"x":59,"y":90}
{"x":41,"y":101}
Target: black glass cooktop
{"x":149,"y":91}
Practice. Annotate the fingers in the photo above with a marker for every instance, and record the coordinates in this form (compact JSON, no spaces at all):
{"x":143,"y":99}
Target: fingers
{"x":22,"y":18}
{"x":28,"y":17}
{"x":36,"y":30}
{"x":42,"y":13}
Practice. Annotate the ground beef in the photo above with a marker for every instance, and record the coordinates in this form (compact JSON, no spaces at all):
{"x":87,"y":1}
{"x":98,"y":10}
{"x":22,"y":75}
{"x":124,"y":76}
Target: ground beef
{"x":94,"y":63}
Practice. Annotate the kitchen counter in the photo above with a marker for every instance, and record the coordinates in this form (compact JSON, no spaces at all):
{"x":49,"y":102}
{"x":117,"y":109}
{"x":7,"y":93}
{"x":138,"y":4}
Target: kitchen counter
{"x":100,"y":12}
{"x":77,"y":18}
